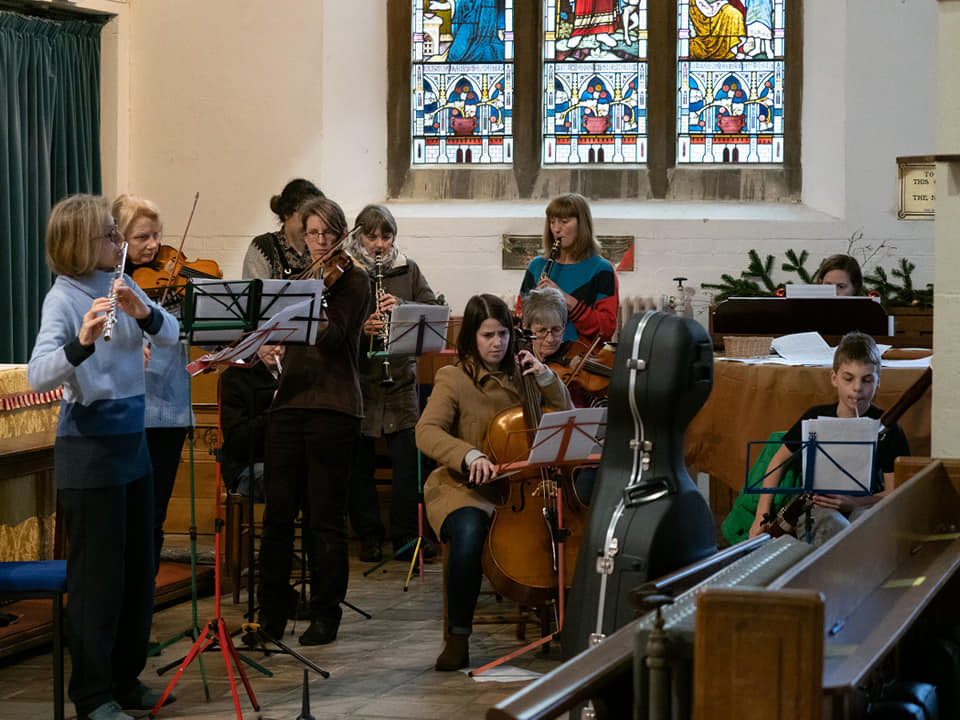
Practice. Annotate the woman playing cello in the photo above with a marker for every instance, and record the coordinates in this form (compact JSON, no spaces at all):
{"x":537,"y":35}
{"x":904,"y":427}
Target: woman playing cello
{"x":452,"y":430}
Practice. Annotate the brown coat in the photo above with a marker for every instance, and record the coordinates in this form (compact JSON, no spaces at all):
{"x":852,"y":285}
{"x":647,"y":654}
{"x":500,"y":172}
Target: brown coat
{"x":455,"y":422}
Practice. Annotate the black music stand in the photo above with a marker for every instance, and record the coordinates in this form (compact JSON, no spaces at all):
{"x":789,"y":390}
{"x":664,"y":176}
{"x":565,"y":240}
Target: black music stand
{"x":811,"y":448}
{"x":555,"y":444}
{"x":218,"y":311}
{"x":415,"y":329}
{"x":782,"y":316}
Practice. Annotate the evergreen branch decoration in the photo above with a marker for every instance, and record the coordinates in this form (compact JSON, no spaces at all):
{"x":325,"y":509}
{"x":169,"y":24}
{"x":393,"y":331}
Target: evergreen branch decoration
{"x":795,"y":264}
{"x":761,"y":270}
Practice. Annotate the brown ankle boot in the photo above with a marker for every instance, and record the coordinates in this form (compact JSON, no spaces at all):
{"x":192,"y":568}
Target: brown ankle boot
{"x":456,"y":653}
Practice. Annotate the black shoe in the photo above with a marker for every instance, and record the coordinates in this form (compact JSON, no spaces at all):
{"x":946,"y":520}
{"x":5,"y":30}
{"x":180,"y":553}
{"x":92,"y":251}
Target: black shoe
{"x":321,"y":632}
{"x":272,"y":625}
{"x":370,"y":550}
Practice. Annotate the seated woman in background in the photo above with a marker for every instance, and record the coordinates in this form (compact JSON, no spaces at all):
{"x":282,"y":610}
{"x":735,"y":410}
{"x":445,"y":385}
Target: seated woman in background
{"x":842,"y":271}
{"x":452,"y":430}
{"x":587,"y":280}
{"x":545,"y":316}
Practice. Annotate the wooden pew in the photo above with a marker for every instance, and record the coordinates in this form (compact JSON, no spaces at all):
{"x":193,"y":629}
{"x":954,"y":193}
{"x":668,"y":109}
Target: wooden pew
{"x":875,"y":578}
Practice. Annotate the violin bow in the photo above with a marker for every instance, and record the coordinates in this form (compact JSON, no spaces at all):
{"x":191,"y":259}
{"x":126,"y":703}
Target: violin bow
{"x":174,"y":274}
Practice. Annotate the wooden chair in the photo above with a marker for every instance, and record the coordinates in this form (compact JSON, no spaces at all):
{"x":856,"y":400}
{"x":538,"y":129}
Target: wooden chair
{"x":43,"y":579}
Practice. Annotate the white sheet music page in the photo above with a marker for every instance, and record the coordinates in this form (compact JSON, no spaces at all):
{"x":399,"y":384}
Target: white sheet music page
{"x":856,"y":459}
{"x":807,"y":348}
{"x":589,"y":425}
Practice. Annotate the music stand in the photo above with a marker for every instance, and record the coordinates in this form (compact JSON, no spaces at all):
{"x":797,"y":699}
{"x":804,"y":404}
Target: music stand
{"x":414,"y":330}
{"x":219,"y":311}
{"x":817,"y":477}
{"x":562,"y":438}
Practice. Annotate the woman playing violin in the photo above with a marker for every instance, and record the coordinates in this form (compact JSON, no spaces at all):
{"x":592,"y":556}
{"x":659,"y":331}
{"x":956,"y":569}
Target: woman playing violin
{"x":169,"y":413}
{"x":313,"y":427}
{"x":452,"y":430}
{"x":572,"y":264}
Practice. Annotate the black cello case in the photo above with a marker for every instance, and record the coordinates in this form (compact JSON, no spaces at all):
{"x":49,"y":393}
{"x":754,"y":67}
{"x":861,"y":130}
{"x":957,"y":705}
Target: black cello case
{"x":644,"y":503}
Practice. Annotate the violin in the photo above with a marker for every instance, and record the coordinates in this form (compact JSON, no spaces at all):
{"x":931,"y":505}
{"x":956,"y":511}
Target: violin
{"x":586,"y":367}
{"x":535,"y":531}
{"x":331,"y":266}
{"x":170,"y":268}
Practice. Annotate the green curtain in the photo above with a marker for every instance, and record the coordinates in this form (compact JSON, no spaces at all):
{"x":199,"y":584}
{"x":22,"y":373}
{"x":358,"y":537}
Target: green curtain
{"x":49,"y":148}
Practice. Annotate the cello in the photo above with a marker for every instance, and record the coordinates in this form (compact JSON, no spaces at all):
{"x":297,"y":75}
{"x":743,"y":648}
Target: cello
{"x":535,"y":531}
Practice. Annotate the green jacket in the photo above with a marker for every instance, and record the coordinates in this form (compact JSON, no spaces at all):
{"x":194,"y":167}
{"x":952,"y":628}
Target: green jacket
{"x":737,"y":524}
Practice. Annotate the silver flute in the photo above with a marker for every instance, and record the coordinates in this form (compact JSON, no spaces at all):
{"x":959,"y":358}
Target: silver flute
{"x":385,"y":330}
{"x":112,"y":312}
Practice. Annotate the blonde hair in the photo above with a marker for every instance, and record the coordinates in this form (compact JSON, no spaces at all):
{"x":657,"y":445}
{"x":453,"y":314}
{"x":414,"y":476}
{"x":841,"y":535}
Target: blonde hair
{"x":74,"y":232}
{"x":566,"y":206}
{"x":127,"y":209}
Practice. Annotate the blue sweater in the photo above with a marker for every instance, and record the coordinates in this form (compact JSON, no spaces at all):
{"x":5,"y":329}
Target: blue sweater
{"x":100,"y":439}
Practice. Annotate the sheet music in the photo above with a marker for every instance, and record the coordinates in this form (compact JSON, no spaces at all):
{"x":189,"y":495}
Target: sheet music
{"x":590,"y":425}
{"x":857,"y":460}
{"x":404,"y":328}
{"x":807,"y":348}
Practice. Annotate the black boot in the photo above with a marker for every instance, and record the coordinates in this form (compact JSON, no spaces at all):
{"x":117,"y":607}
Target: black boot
{"x":456,"y":653}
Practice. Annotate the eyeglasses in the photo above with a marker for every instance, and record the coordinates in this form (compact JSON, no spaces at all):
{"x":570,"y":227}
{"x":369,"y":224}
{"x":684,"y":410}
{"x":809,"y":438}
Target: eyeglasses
{"x":542,"y":334}
{"x":328,"y":235}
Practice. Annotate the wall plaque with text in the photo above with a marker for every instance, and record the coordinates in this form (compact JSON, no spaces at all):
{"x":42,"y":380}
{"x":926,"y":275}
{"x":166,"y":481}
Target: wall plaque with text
{"x":917,"y":183}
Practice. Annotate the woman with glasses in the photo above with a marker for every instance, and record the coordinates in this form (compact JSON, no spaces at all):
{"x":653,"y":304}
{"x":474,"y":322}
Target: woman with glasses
{"x":311,"y":437}
{"x":282,"y":253}
{"x":587,"y":281}
{"x":101,"y":461}
{"x":169,"y":413}
{"x":390,"y":410}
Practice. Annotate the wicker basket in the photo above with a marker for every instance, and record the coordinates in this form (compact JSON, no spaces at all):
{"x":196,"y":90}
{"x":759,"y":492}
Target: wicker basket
{"x":746,"y":347}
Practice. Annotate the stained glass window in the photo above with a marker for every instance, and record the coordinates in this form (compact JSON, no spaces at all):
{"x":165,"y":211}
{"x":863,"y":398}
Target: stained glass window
{"x":462,"y":80}
{"x":594,"y":82}
{"x":730,"y":81}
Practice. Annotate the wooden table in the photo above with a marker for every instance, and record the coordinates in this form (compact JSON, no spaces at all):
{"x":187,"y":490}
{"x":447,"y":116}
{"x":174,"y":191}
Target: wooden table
{"x":750,"y":401}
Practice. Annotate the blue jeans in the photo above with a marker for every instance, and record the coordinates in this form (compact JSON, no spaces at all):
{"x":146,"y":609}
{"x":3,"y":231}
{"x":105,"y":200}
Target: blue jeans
{"x":466,"y":531}
{"x":243,"y":482}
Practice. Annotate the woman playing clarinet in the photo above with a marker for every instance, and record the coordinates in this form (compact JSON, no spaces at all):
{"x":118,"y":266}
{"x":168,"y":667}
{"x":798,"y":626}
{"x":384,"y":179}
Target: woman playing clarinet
{"x":572,"y":263}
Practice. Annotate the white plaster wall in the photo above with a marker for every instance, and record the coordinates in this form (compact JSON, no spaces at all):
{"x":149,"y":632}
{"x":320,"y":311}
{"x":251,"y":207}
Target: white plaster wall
{"x":232,"y":98}
{"x":945,"y":440}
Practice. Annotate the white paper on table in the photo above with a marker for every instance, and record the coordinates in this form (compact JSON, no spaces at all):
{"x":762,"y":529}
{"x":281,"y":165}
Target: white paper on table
{"x":591,"y":424}
{"x":922,"y":362}
{"x":857,"y":460}
{"x":807,"y":348}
